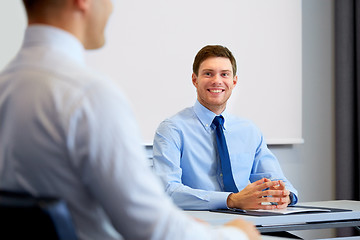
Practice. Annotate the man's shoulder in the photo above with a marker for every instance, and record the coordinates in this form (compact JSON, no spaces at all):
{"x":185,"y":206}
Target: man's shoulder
{"x":179,"y":120}
{"x":183,"y":115}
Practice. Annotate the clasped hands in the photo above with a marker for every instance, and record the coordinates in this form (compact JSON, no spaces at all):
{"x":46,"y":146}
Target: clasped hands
{"x":262,"y":194}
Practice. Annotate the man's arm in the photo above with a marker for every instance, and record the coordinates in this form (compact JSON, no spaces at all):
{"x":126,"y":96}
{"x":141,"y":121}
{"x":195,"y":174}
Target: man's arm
{"x":268,"y":183}
{"x":167,"y":154}
{"x":267,"y":166}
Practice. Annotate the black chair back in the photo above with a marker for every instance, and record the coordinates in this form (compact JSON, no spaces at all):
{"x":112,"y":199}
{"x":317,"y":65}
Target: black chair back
{"x":23,"y":216}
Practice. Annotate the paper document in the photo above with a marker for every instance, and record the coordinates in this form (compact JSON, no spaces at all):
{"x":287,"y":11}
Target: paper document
{"x":276,"y":212}
{"x":290,"y":210}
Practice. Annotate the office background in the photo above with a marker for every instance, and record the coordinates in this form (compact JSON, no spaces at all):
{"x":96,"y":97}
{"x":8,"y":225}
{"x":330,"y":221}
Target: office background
{"x":150,"y":54}
{"x":310,"y":166}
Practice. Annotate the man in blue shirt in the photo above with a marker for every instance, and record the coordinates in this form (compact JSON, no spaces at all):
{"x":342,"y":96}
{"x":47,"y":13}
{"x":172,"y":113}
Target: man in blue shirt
{"x":185,"y":150}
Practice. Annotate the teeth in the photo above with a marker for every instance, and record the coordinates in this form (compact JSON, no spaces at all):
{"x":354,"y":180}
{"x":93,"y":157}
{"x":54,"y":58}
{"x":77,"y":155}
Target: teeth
{"x":216,"y":91}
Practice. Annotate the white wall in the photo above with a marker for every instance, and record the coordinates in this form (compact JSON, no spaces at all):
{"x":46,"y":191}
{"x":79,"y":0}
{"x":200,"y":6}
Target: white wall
{"x":311,"y":166}
{"x":12,"y":25}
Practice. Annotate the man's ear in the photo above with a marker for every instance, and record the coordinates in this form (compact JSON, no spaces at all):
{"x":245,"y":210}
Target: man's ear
{"x":194,"y":79}
{"x":83,"y":5}
{"x":235,"y":80}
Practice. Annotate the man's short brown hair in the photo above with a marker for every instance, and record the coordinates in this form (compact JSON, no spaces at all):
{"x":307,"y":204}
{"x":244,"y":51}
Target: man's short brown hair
{"x":36,"y":6}
{"x":213,"y":51}
{"x":29,"y":3}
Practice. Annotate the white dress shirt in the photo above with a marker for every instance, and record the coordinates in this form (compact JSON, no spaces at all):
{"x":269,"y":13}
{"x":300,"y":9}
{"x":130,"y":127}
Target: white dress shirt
{"x":67,"y":131}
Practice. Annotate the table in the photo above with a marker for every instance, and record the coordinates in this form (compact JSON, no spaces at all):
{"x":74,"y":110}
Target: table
{"x":305,"y":221}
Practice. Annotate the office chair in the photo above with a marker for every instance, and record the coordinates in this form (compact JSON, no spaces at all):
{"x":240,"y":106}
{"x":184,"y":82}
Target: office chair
{"x":23,"y":216}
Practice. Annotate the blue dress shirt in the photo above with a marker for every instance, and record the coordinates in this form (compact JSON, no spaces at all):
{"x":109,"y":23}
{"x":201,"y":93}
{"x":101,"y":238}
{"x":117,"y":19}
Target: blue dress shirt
{"x":185,"y":158}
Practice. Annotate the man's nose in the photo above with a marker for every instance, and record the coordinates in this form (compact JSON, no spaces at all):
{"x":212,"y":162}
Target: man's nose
{"x":217,"y":78}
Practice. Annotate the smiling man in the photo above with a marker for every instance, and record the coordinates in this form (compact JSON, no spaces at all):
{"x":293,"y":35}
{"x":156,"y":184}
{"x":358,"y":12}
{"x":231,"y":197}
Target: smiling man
{"x":201,"y":171}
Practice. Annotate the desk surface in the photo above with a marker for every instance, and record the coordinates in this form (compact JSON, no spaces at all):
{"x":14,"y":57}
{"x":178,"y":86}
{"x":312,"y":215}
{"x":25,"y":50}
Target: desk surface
{"x":296,"y":221}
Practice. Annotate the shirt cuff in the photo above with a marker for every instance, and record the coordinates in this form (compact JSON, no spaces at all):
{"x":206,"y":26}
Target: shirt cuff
{"x":218,"y":200}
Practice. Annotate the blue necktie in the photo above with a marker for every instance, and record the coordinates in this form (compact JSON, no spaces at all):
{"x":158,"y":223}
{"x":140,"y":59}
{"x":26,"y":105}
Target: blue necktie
{"x":223,"y":152}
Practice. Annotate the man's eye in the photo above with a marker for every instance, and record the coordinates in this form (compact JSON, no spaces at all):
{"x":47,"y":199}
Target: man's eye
{"x":225,"y":74}
{"x":208,"y":74}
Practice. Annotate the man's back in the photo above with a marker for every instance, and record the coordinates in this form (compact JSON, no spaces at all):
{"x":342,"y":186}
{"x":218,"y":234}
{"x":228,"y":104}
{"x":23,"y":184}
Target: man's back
{"x":66,"y":132}
{"x":43,"y":97}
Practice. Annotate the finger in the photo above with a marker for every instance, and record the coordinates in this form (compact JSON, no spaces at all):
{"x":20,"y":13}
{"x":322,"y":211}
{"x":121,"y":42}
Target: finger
{"x":281,"y":206}
{"x":275,"y":187}
{"x":270,"y":200}
{"x":283,"y":200}
{"x":281,"y":185}
{"x":284,"y":193}
{"x":278,"y":193}
{"x":260,"y":205}
{"x":267,"y":206}
{"x":261,"y":181}
{"x":266,"y":180}
{"x":266,"y":185}
{"x":259,"y":185}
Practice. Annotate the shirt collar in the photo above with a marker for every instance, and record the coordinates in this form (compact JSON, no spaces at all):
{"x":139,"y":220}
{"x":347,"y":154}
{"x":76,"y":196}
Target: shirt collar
{"x":46,"y":35}
{"x":206,"y":116}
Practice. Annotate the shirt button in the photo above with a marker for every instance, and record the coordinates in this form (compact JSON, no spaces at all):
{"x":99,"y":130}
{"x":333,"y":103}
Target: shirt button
{"x":221,"y":175}
{"x":207,"y":125}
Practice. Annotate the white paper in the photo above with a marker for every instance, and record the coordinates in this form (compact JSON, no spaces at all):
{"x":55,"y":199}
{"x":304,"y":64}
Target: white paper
{"x":290,"y":210}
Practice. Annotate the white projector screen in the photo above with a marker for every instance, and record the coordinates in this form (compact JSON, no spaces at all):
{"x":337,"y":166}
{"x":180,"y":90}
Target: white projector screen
{"x":151,"y":45}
